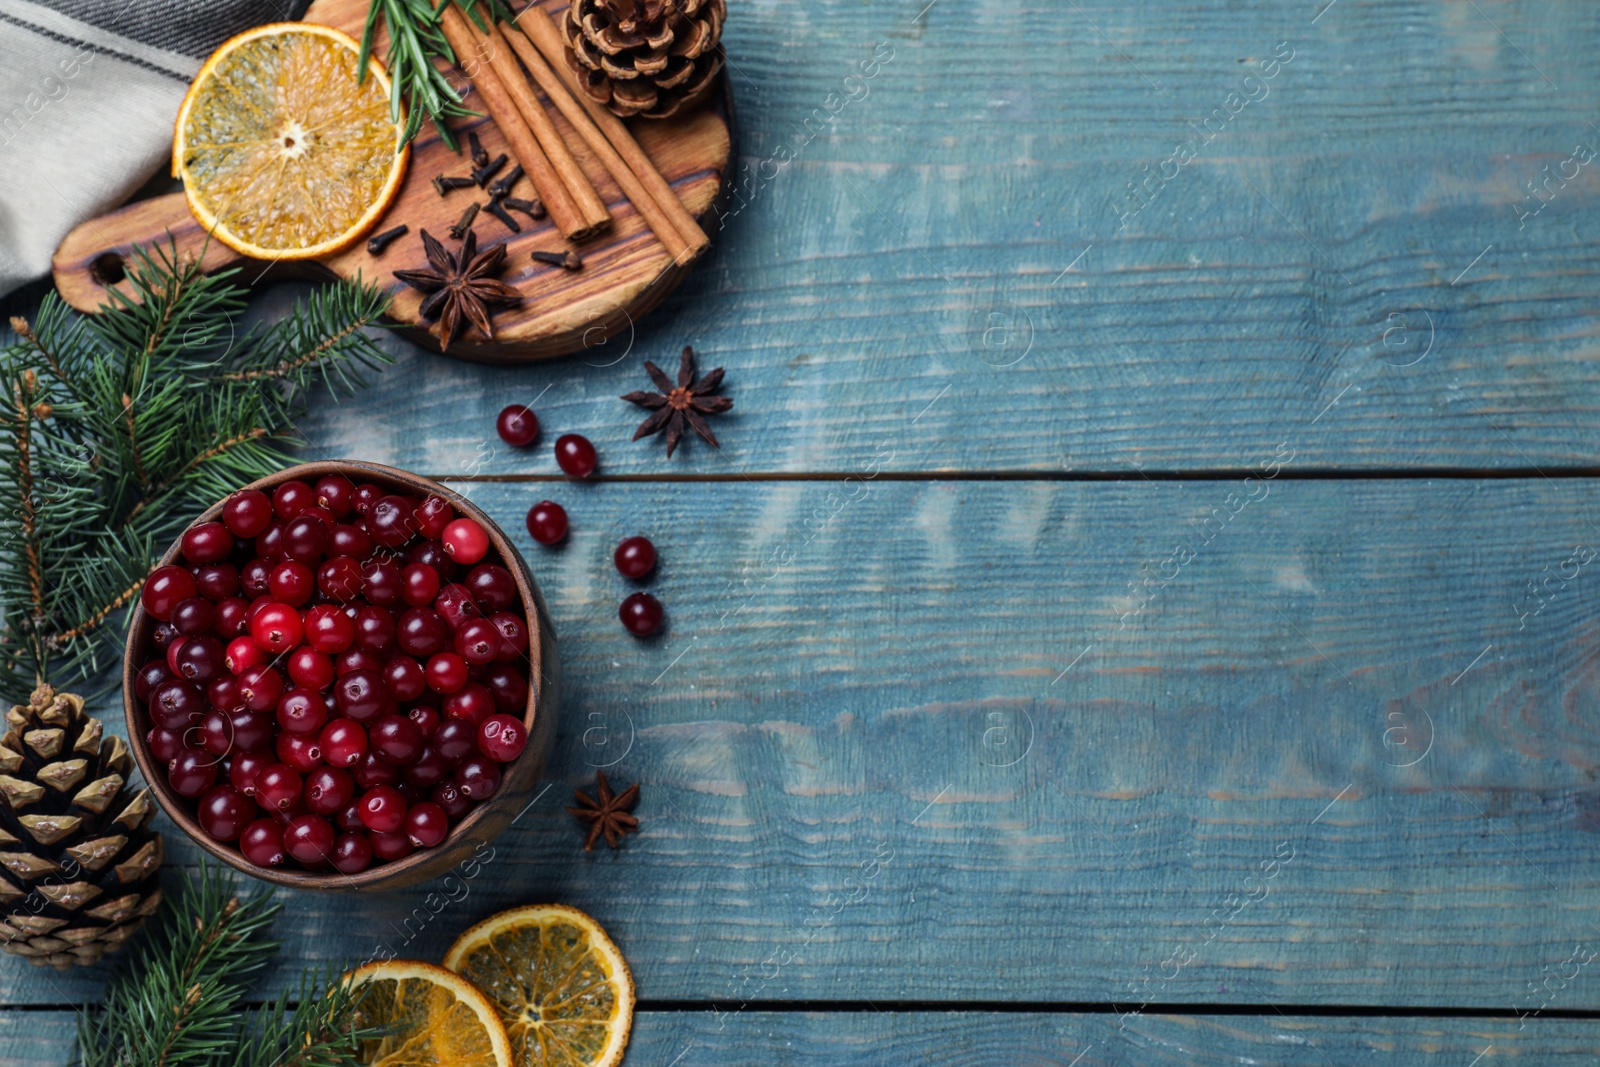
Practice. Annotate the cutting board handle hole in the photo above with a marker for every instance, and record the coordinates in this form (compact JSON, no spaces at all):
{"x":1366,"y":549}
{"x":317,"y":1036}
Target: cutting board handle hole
{"x":108,"y":268}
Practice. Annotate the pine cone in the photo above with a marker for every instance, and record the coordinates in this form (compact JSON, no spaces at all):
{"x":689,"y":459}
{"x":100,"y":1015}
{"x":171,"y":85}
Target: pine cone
{"x":644,"y":57}
{"x":78,"y":862}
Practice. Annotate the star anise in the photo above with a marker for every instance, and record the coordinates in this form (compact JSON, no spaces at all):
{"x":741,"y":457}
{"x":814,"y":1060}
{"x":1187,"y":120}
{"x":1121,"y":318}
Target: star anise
{"x":687,"y":403}
{"x":460,"y":289}
{"x":609,"y":815}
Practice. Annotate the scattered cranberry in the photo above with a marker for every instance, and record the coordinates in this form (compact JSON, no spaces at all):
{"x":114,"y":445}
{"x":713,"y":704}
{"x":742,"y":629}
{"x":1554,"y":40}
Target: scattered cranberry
{"x":165,"y":589}
{"x":502,"y":738}
{"x":641,"y":614}
{"x":465,"y":540}
{"x":575,"y":455}
{"x":262,"y":843}
{"x":547,"y":522}
{"x":517,"y":425}
{"x":635,"y":557}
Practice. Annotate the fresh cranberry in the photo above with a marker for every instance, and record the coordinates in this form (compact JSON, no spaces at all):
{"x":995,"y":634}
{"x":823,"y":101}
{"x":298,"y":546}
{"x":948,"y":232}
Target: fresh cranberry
{"x":405,"y":678}
{"x":256,"y":578}
{"x":339,"y":579}
{"x":309,"y":839}
{"x":423,"y":632}
{"x":372,"y":771}
{"x":366,"y":495}
{"x":302,"y":711}
{"x":433,"y":515}
{"x":428,"y":769}
{"x":232,"y":617}
{"x":224,"y":812}
{"x":547,"y":522}
{"x":455,"y":605}
{"x":165,"y":589}
{"x":433,"y":554}
{"x":391,"y":847}
{"x":222,"y":693}
{"x":473,"y":703}
{"x":465,"y":541}
{"x":305,"y":538}
{"x":383,"y":809}
{"x":310,"y":669}
{"x":362,"y":695}
{"x":478,"y":642}
{"x":246,"y":513}
{"x":575,"y":455}
{"x":635,"y":557}
{"x":216,"y":733}
{"x":446,"y":672}
{"x":382,"y":582}
{"x":199,"y":659}
{"x":175,"y":704}
{"x":208,"y":542}
{"x":348,"y":540}
{"x":252,"y":730}
{"x":502,"y":738}
{"x":492,"y":587}
{"x":151,"y":675}
{"x":455,"y":740}
{"x":427,"y":824}
{"x":478,"y":778}
{"x":277,"y":628}
{"x":374,"y":628}
{"x":336,"y":493}
{"x":260,"y":688}
{"x":292,"y":583}
{"x":392,"y":521}
{"x":163,"y":635}
{"x":426,"y":719}
{"x":164,"y":744}
{"x":300,"y":751}
{"x":421,"y":584}
{"x":357,"y":659}
{"x":269,"y":544}
{"x":246,"y":768}
{"x":396,"y":739}
{"x":349,"y":819}
{"x":328,"y":629}
{"x":262,"y":843}
{"x":327,"y":789}
{"x":344,"y":743}
{"x":217,"y":581}
{"x":513,"y":632}
{"x":192,"y":771}
{"x":243,"y":653}
{"x":352,"y":853}
{"x":517,"y":425}
{"x":194,"y":616}
{"x":641,"y":614}
{"x":291,"y":498}
{"x":454,"y":802}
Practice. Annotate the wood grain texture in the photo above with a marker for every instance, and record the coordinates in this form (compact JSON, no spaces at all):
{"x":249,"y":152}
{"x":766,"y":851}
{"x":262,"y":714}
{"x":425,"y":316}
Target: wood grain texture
{"x":851,"y":286}
{"x":626,"y":270}
{"x":911,"y":751}
{"x":984,"y":1039}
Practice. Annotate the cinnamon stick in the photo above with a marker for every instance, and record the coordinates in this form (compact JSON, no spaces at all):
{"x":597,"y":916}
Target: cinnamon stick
{"x":563,"y":212}
{"x":590,"y":206}
{"x":655,"y":216}
{"x":541,"y":30}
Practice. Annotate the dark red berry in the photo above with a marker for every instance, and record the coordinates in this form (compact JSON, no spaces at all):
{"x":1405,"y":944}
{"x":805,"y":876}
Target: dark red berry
{"x":427,"y":719}
{"x":382,"y":582}
{"x":575,"y":455}
{"x":175,"y":703}
{"x":224,"y":812}
{"x":391,"y":847}
{"x":305,"y":538}
{"x":367,"y":495}
{"x":423,"y":632}
{"x":421,"y":584}
{"x":246,"y":767}
{"x":454,"y":740}
{"x":165,"y":633}
{"x":478,"y":642}
{"x":513,"y":632}
{"x":301,"y":751}
{"x":192,"y":771}
{"x":372,"y":771}
{"x":329,"y":629}
{"x":454,"y":802}
{"x":165,"y":589}
{"x":396,"y":740}
{"x":243,"y":653}
{"x":309,"y":839}
{"x":641,"y":614}
{"x":216,"y":733}
{"x":375,"y":628}
{"x":291,"y":498}
{"x":472,"y":702}
{"x":492,"y":587}
{"x":446,"y":672}
{"x":277,"y":628}
{"x":336,"y":493}
{"x":352,"y":853}
{"x":383,"y":809}
{"x":194,"y":616}
{"x":310,"y":669}
{"x":302,"y":711}
{"x":635,"y":557}
{"x":348,"y":540}
{"x":218,"y":581}
{"x":357,"y":659}
{"x":269,"y":544}
{"x":328,"y":789}
{"x":152,"y":674}
{"x":405,"y":678}
{"x":199,"y":659}
{"x":428,"y":769}
{"x":255,"y":578}
{"x":209,"y":542}
{"x":260,"y":688}
{"x":349,"y":819}
{"x":292,"y":583}
{"x":262,"y":843}
{"x":165,"y":744}
{"x":478,"y":778}
{"x":392,"y":521}
{"x":455,"y":605}
{"x":252,"y":730}
{"x":344,"y":743}
{"x":232,"y":617}
{"x":427,"y":824}
{"x":433,"y":515}
{"x":246,"y":513}
{"x":547,"y":522}
{"x":517,"y":425}
{"x":502,"y":738}
{"x":362,"y":695}
{"x":465,"y":541}
{"x":508,"y":687}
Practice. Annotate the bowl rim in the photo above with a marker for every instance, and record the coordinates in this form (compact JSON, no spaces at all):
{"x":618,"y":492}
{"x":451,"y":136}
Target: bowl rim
{"x":421,"y":863}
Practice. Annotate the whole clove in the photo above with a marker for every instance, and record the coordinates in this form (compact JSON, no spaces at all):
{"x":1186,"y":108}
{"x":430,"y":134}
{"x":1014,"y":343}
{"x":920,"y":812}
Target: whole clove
{"x":444,"y":183}
{"x":378,"y":242}
{"x":502,"y":186}
{"x":534,"y":209}
{"x":464,"y":223}
{"x":503,"y":215}
{"x":565,"y":260}
{"x":479,"y":156}
{"x":482,"y":174}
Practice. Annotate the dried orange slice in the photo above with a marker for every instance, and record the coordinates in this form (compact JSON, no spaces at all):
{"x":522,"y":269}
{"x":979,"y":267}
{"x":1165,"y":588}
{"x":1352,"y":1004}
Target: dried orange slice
{"x":562,"y":987}
{"x":434,"y":1018}
{"x":283,"y":155}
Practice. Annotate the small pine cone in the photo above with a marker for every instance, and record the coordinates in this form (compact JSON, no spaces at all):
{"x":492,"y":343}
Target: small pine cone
{"x":78,"y":860}
{"x":644,"y":57}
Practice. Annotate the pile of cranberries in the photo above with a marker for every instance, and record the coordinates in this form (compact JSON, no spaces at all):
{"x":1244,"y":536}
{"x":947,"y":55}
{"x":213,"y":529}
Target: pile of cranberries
{"x":345,"y":673}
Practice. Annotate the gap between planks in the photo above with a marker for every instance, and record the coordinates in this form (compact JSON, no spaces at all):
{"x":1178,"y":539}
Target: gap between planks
{"x":1210,"y":474}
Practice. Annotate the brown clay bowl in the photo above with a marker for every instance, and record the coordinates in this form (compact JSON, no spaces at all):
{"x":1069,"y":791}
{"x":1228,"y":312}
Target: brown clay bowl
{"x":483,"y":823}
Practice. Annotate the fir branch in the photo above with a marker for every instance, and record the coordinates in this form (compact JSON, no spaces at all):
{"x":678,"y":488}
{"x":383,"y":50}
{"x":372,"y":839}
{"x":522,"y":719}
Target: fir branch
{"x":118,"y":602}
{"x":25,"y":391}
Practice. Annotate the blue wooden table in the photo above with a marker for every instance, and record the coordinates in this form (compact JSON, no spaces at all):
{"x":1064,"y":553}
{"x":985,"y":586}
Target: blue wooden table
{"x":1144,"y":608}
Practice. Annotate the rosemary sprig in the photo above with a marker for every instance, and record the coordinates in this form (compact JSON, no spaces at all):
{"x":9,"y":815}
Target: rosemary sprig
{"x":415,"y":41}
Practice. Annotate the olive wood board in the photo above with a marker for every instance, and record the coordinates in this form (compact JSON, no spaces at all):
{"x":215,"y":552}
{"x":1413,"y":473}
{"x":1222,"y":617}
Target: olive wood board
{"x":626,"y":271}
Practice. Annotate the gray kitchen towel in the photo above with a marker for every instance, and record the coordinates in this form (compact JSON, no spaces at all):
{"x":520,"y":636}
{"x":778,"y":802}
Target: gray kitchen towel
{"x":88,"y":93}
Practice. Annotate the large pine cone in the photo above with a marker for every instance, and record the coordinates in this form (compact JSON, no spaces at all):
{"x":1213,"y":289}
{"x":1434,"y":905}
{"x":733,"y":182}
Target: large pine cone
{"x":644,"y":57}
{"x":78,"y":862}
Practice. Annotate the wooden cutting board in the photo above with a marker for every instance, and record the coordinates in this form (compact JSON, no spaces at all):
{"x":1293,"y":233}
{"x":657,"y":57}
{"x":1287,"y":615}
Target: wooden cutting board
{"x":626,"y":270}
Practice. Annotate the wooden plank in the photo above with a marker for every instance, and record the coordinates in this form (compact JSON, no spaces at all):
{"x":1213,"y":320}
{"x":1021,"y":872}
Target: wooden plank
{"x":925,"y":749}
{"x":948,"y":1039}
{"x":912,"y":252}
